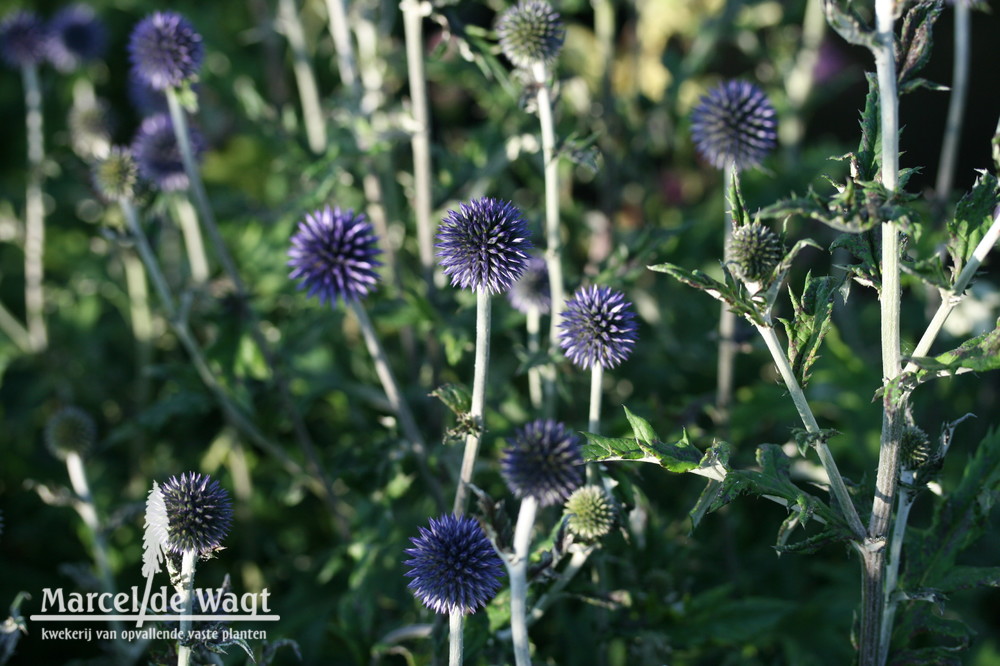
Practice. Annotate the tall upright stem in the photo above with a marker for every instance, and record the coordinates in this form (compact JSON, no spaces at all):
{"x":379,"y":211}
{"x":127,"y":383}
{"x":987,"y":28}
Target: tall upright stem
{"x":594,"y":418}
{"x":517,"y":569}
{"x":340,"y":31}
{"x":533,"y":325}
{"x":903,"y":506}
{"x":305,"y":79}
{"x":727,"y":325}
{"x":553,"y":239}
{"x":478,"y":400}
{"x":872,"y":593}
{"x":194,"y":244}
{"x":414,"y":12}
{"x":956,"y":103}
{"x":186,"y":589}
{"x":455,"y":638}
{"x":34,"y":228}
{"x":800,"y":80}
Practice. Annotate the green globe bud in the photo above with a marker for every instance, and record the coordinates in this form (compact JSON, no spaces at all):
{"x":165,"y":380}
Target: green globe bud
{"x":70,"y":430}
{"x":531,"y":33}
{"x":916,"y":452}
{"x":590,"y":513}
{"x":754,"y":252}
{"x":115,"y":176}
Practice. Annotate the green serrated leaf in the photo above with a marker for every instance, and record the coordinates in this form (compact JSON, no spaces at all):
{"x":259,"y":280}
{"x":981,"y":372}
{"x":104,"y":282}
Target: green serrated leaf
{"x":729,"y":292}
{"x":979,"y":354}
{"x":867,"y":250}
{"x":973,"y":217}
{"x":640,"y":427}
{"x":810,"y":323}
{"x":848,"y":25}
{"x":969,"y":577}
{"x":868,"y":156}
{"x":678,"y":457}
{"x":916,"y":40}
{"x":455,"y":397}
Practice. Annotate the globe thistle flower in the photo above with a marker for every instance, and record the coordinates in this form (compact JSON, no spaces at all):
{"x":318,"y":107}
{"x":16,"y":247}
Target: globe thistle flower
{"x":24,"y":39}
{"x":145,"y":98}
{"x":754,"y":252}
{"x":590,"y":513}
{"x":454,"y":566}
{"x":199,"y":513}
{"x":115,"y":175}
{"x":159,"y":157}
{"x":531,"y":33}
{"x":598,"y":328}
{"x":734,"y":124}
{"x":482,"y":245}
{"x":77,"y":36}
{"x":165,"y":50}
{"x":333,"y":254}
{"x":70,"y":430}
{"x":531,"y":291}
{"x":543,"y":460}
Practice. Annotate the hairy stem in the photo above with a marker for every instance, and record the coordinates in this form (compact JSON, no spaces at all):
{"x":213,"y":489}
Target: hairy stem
{"x":904,"y":503}
{"x":455,"y":638}
{"x":517,"y":569}
{"x":305,"y":79}
{"x":956,"y":103}
{"x":34,"y":227}
{"x":186,"y":590}
{"x":594,"y":418}
{"x":336,"y":11}
{"x":533,"y":326}
{"x":727,"y":326}
{"x":477,"y":422}
{"x":194,"y":244}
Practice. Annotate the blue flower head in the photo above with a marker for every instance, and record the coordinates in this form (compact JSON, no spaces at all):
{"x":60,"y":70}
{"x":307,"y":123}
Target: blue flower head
{"x":482,"y":245}
{"x":453,"y":566}
{"x":734,"y":124}
{"x":333,"y":254}
{"x":70,"y":430}
{"x":165,"y":50}
{"x":598,"y":328}
{"x":543,"y":460}
{"x":156,"y":152}
{"x":199,"y":513}
{"x":78,"y":36}
{"x":532,"y":289}
{"x":24,"y":39}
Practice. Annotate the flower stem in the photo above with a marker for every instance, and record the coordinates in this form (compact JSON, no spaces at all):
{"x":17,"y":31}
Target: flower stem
{"x":414,"y":12}
{"x":594,"y":418}
{"x":809,"y":420}
{"x":340,"y":31}
{"x":727,"y":326}
{"x":15,"y":330}
{"x":395,"y":397}
{"x":477,"y":422}
{"x":194,"y":244}
{"x":185,"y":589}
{"x":801,"y":80}
{"x":904,"y":503}
{"x":517,"y":569}
{"x":305,"y":79}
{"x":533,"y":325}
{"x":956,"y":103}
{"x":34,"y":230}
{"x":455,"y":638}
{"x":553,"y":240}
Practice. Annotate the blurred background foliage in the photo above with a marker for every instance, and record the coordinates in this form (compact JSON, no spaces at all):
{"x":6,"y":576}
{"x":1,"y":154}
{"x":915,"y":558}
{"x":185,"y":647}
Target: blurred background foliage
{"x":629,"y":75}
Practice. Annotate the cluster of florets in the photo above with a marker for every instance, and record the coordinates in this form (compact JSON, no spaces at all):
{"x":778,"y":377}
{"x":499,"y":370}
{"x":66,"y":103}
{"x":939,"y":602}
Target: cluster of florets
{"x":543,"y":460}
{"x":531,"y":33}
{"x":734,"y":124}
{"x":199,"y":513}
{"x":70,"y":431}
{"x":598,"y":328}
{"x":754,"y":252}
{"x":74,"y":36}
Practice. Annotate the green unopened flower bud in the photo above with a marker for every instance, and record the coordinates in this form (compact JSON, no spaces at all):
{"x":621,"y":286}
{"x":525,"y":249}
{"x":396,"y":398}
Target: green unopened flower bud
{"x":70,"y":430}
{"x":115,"y":176}
{"x":530,"y":33}
{"x":754,"y":252}
{"x":590,"y":512}
{"x":916,"y":451}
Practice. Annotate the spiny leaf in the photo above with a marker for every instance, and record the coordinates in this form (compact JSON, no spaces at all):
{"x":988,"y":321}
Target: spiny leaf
{"x":455,"y":397}
{"x":973,"y":217}
{"x":848,"y":25}
{"x":868,"y":157}
{"x":968,"y":577}
{"x":916,"y":40}
{"x":729,"y":292}
{"x":866,"y":248}
{"x":810,"y":323}
{"x":640,"y":427}
{"x":979,"y":354}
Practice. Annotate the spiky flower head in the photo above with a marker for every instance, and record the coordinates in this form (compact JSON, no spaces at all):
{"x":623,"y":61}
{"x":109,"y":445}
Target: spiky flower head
{"x":531,"y":32}
{"x":333,"y":254}
{"x":199,"y":513}
{"x":146,"y":99}
{"x":754,"y":252}
{"x":916,"y":451}
{"x":70,"y":430}
{"x":78,"y":36}
{"x":115,"y":175}
{"x":544,"y":460}
{"x":598,"y":327}
{"x":590,"y":513}
{"x":453,"y":566}
{"x":24,"y":39}
{"x":531,"y":291}
{"x":165,"y":50}
{"x":734,"y":124}
{"x":159,"y":157}
{"x":482,"y":245}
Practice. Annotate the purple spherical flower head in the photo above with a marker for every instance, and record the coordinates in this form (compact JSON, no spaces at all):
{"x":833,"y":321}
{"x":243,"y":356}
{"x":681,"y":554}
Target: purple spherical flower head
{"x":78,"y":36}
{"x":333,"y":254}
{"x":156,"y":152}
{"x":165,"y":50}
{"x":532,"y":288}
{"x":544,"y":461}
{"x":144,"y":97}
{"x":454,"y":566}
{"x":734,"y":124}
{"x":199,"y":513}
{"x":482,"y":245}
{"x":24,"y":39}
{"x":598,"y":327}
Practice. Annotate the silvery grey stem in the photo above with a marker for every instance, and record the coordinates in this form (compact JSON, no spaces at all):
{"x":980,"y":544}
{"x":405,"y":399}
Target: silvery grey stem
{"x":478,"y":401}
{"x":34,"y":225}
{"x":956,"y":103}
{"x":950,"y":299}
{"x":15,"y":330}
{"x":533,"y":325}
{"x":340,"y":31}
{"x":727,"y":324}
{"x":812,"y":426}
{"x":455,"y":638}
{"x":594,"y":418}
{"x":395,"y":397}
{"x":553,"y":239}
{"x":517,"y":569}
{"x":186,"y":590}
{"x":904,"y":503}
{"x":194,"y":244}
{"x":414,"y":12}
{"x":800,"y":80}
{"x":305,"y":79}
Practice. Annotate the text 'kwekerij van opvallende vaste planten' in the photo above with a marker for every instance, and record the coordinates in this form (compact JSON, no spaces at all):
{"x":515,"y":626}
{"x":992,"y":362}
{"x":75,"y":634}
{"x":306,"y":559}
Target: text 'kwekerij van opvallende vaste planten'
{"x":335,"y":332}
